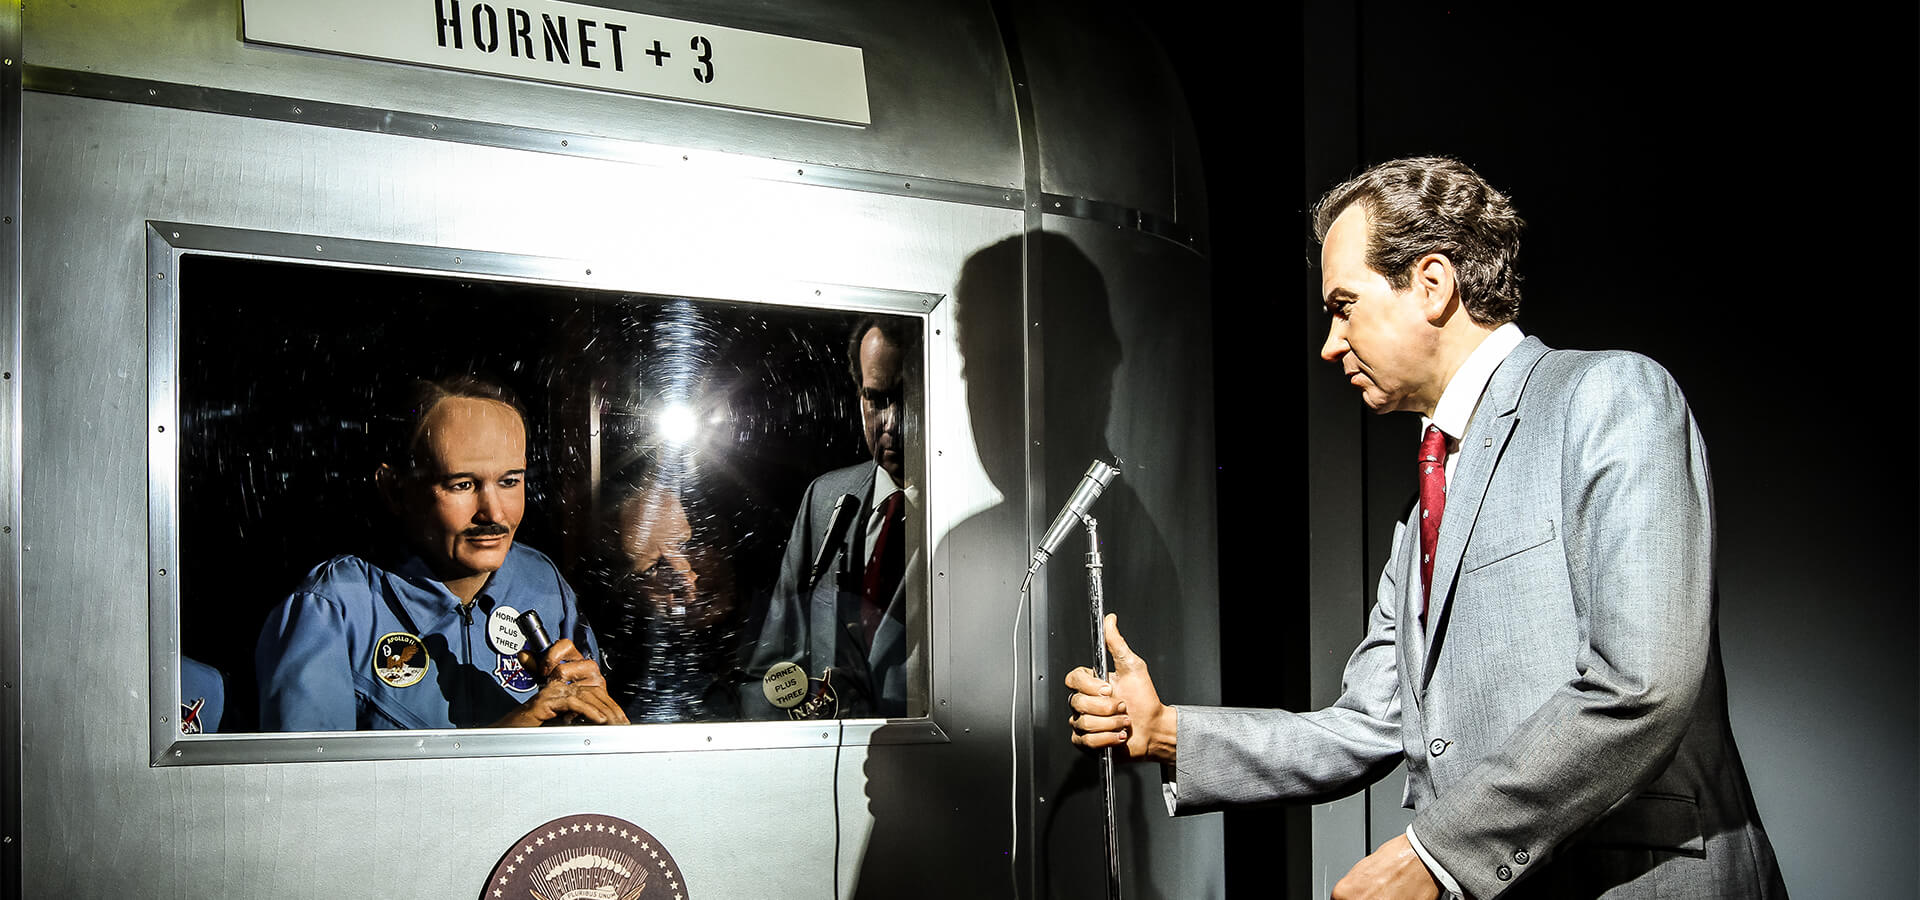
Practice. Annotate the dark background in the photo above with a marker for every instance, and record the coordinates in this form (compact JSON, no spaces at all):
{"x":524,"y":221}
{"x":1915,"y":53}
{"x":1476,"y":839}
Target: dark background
{"x":1730,"y":193}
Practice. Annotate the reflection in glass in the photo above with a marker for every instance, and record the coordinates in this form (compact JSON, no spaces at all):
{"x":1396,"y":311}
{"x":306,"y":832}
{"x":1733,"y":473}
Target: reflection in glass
{"x":670,"y":443}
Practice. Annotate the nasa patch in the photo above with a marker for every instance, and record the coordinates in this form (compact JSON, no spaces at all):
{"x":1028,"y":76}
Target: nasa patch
{"x":512,"y":677}
{"x":821,"y":702}
{"x":586,"y":856}
{"x":400,"y":659}
{"x":190,"y":715}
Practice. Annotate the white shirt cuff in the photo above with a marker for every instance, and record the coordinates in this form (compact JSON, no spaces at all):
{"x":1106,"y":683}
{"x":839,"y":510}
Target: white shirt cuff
{"x":1433,"y":865}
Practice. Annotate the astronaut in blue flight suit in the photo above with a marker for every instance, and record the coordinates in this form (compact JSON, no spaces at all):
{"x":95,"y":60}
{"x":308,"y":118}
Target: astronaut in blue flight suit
{"x":418,"y":644}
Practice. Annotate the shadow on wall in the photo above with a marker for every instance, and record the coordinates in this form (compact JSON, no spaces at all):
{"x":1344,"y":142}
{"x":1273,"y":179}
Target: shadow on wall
{"x":953,"y":801}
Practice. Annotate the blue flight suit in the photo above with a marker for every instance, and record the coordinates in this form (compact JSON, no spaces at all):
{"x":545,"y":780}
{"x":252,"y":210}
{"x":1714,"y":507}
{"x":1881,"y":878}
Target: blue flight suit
{"x":326,"y":657}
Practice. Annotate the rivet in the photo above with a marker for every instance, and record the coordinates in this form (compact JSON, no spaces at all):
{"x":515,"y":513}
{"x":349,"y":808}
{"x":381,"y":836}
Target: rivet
{"x":6,"y":529}
{"x":799,"y":171}
{"x":163,"y":573}
{"x":152,"y":93}
{"x":297,"y":110}
{"x":588,"y":742}
{"x":176,"y":235}
{"x":318,"y":249}
{"x":563,"y":143}
{"x":823,"y":735}
{"x":159,"y":276}
{"x":163,"y":428}
{"x":176,"y":753}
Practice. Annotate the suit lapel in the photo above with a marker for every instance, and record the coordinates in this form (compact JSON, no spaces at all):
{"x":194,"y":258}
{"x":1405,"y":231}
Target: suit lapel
{"x":1480,"y":452}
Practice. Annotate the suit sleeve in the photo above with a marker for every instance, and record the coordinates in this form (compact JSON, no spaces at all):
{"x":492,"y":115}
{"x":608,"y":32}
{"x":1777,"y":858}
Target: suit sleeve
{"x":1637,"y":523}
{"x":305,"y":669}
{"x":783,"y":634}
{"x":1231,"y":756}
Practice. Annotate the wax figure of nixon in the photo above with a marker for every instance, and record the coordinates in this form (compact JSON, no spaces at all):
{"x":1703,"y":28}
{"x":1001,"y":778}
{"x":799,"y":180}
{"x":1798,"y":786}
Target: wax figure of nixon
{"x":1542,"y":651}
{"x":848,"y":631}
{"x":417,"y":643}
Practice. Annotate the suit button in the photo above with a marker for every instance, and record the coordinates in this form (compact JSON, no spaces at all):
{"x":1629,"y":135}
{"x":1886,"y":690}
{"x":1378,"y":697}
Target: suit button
{"x":1520,"y":857}
{"x":1503,"y":873}
{"x":1437,"y":747}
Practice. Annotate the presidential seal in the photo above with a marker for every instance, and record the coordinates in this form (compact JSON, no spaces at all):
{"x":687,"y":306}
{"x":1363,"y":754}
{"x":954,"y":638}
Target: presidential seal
{"x":587,"y":857}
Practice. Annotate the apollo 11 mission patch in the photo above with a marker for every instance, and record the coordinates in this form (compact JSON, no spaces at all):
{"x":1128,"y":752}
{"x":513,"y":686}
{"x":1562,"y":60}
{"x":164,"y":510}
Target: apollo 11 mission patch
{"x":400,"y":659}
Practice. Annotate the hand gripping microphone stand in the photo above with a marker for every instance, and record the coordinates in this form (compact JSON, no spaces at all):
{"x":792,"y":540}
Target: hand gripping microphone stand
{"x":1098,"y":476}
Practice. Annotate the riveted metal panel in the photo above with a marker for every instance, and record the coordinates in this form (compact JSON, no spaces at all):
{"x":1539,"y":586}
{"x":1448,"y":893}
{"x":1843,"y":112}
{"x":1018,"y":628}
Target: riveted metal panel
{"x":101,"y":172}
{"x":935,"y":80}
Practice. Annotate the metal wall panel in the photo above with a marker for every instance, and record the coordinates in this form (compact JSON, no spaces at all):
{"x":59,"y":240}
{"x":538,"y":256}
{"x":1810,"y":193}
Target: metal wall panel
{"x":1008,"y":435}
{"x":1112,"y":118}
{"x":935,"y":80}
{"x":99,"y":172}
{"x":1129,"y":338}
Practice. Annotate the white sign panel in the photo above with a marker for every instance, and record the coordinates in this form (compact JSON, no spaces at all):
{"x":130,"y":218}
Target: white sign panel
{"x":585,"y":46}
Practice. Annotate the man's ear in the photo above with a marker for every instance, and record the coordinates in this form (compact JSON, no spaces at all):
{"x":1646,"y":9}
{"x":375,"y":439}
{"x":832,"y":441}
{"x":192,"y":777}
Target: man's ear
{"x":388,"y":481}
{"x":1439,"y":291}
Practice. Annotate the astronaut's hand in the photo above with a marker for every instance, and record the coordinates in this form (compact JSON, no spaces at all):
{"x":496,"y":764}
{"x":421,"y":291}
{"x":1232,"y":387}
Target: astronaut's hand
{"x":572,"y":692}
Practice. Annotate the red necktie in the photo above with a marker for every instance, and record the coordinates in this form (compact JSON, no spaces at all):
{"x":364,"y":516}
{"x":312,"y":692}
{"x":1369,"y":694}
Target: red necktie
{"x":884,"y":566}
{"x":1433,"y":502}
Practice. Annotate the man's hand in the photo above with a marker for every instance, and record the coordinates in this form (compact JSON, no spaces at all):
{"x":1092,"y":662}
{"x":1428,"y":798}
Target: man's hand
{"x":1125,"y":712}
{"x":1394,"y":871}
{"x":572,"y":691}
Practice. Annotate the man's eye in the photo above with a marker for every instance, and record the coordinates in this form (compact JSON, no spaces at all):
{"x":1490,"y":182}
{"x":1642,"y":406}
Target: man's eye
{"x":510,"y":481}
{"x":460,"y":486}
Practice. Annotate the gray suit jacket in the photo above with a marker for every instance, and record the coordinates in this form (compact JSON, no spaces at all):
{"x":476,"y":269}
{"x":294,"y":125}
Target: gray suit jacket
{"x":821,"y":628}
{"x":1562,"y":711}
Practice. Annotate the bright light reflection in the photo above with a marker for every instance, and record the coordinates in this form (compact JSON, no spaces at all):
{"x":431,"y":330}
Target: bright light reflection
{"x":677,"y":424}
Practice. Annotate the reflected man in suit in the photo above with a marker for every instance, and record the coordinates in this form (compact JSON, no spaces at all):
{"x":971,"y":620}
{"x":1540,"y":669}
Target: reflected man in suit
{"x":1542,"y":651}
{"x":847,"y":630}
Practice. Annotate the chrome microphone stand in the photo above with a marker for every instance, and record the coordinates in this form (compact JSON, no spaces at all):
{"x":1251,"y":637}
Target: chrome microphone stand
{"x":1096,"y":602}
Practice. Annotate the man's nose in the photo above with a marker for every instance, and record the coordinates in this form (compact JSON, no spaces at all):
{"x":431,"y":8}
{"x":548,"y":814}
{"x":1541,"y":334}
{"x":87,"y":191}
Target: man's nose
{"x":1336,"y":345}
{"x":486,"y":503}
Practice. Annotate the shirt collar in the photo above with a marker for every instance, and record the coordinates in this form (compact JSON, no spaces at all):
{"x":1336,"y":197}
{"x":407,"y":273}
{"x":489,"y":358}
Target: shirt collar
{"x":884,"y":486}
{"x":1462,"y":395}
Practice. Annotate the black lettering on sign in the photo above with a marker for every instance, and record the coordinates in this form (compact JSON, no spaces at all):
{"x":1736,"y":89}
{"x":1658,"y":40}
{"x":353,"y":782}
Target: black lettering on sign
{"x":446,"y":20}
{"x":619,"y":64}
{"x":658,"y":55}
{"x":519,"y":32}
{"x":705,"y":59}
{"x":586,"y":61}
{"x":486,"y":37}
{"x":555,"y":37}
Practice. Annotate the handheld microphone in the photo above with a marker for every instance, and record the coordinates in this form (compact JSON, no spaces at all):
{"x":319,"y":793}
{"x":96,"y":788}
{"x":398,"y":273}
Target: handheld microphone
{"x":1098,"y":476}
{"x":535,"y":633}
{"x":844,"y":509}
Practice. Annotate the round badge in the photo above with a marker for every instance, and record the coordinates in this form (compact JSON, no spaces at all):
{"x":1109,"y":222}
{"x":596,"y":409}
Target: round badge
{"x":586,"y":857}
{"x":399,"y":659}
{"x":785,"y":685}
{"x":503,"y":633}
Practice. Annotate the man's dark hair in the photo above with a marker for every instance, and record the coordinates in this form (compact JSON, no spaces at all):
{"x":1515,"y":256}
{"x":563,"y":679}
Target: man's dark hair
{"x":899,"y":332}
{"x":1432,"y":204}
{"x":409,"y":420}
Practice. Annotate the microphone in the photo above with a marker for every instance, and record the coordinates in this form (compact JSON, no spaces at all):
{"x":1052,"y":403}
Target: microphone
{"x":1098,"y":476}
{"x":844,"y":509}
{"x":535,"y":633}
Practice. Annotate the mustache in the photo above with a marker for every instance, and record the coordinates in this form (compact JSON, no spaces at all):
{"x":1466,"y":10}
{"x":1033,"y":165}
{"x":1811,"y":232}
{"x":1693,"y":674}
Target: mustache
{"x":488,"y":530}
